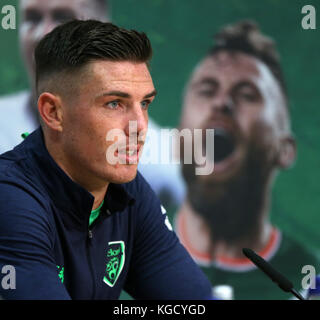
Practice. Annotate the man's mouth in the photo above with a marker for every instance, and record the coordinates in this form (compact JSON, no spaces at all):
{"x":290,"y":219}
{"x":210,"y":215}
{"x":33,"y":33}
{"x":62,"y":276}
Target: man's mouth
{"x":128,"y":154}
{"x":228,"y":149}
{"x":224,"y":145}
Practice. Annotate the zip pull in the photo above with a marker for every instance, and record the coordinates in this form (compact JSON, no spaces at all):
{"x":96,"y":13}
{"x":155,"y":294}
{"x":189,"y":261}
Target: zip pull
{"x":90,"y":234}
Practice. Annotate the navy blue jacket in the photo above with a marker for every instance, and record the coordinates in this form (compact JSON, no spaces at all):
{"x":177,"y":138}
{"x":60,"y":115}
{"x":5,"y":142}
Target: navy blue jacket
{"x":45,"y":235}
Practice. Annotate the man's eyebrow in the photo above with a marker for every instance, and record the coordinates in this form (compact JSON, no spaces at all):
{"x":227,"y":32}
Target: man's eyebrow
{"x":206,"y":80}
{"x":126,"y":95}
{"x":115,"y":93}
{"x":151,"y":94}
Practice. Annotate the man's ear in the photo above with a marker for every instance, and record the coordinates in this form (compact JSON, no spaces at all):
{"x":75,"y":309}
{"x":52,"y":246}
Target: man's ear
{"x":287,"y":152}
{"x":49,"y":106}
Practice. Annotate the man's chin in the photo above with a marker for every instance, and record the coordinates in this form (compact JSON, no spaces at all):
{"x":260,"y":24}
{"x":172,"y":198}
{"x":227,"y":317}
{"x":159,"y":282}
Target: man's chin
{"x":123,"y":175}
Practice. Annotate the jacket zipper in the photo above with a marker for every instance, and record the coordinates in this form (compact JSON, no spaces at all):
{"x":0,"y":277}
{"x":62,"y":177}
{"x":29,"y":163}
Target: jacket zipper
{"x":89,"y":239}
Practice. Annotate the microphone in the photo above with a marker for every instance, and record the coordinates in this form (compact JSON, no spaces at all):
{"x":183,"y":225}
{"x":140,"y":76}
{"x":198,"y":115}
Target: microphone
{"x":275,"y":276}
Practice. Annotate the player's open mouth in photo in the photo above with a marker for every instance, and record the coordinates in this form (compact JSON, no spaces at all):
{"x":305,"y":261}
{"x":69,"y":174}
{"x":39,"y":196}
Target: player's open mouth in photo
{"x":227,"y":150}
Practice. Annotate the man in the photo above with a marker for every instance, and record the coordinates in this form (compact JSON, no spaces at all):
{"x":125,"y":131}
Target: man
{"x":238,"y":89}
{"x":19,"y":111}
{"x":72,"y":223}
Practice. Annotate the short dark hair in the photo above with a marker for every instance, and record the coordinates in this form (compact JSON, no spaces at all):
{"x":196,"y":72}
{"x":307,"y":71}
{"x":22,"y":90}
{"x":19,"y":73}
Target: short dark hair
{"x":72,"y":45}
{"x":245,"y":36}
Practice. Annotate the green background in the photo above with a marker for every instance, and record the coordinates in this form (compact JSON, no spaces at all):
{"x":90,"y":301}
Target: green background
{"x":181,"y":32}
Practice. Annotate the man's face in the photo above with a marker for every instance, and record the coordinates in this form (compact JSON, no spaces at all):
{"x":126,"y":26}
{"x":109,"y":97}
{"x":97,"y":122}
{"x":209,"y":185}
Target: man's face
{"x":108,"y":96}
{"x":236,"y":95}
{"x":39,"y":17}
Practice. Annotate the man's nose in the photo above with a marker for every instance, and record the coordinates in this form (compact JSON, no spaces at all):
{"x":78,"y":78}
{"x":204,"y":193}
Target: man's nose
{"x":223,"y":104}
{"x":138,"y":122}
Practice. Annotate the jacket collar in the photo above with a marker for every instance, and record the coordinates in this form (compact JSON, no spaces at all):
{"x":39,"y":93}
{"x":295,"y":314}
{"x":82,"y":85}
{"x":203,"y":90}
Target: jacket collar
{"x":65,"y":193}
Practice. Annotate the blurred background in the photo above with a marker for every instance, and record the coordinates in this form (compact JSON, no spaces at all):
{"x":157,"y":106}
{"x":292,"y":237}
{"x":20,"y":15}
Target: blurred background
{"x":181,"y":33}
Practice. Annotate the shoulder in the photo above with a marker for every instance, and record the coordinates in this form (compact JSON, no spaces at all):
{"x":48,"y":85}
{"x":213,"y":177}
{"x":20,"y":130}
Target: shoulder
{"x":24,"y":214}
{"x":19,"y":195}
{"x":24,"y":218}
{"x":18,"y":186}
{"x":13,"y":165}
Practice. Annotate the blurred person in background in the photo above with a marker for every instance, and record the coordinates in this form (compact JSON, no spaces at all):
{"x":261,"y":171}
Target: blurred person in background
{"x":238,"y":90}
{"x":19,"y":113}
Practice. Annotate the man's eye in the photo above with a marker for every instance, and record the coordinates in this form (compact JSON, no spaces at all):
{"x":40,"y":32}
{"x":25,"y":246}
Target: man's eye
{"x":33,"y":17}
{"x":247,"y":96}
{"x":206,"y":93}
{"x":246,"y":93}
{"x":145,"y":104}
{"x":113,"y":104}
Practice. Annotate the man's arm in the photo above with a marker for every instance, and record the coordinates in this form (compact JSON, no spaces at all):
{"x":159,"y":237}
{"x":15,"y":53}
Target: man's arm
{"x":161,"y":268}
{"x":26,"y":243}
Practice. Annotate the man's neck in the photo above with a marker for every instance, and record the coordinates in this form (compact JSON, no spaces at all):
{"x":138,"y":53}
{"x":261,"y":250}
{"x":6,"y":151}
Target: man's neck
{"x":98,"y":196}
{"x":197,"y":234}
{"x":96,"y":187}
